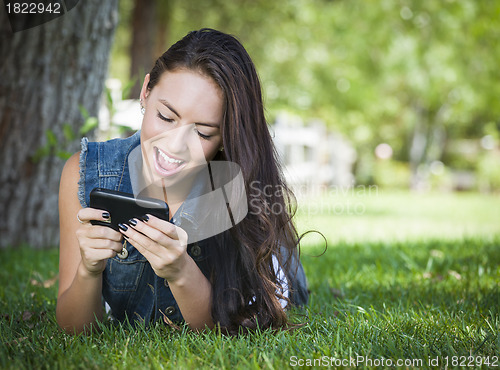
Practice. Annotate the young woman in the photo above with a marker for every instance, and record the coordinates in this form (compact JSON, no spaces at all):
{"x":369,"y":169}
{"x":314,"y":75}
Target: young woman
{"x":202,"y":107}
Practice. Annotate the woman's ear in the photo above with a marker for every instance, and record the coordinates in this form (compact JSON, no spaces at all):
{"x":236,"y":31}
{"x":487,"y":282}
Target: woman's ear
{"x":144,"y":90}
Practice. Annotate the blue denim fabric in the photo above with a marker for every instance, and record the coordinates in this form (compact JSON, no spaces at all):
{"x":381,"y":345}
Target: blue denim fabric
{"x":130,"y":286}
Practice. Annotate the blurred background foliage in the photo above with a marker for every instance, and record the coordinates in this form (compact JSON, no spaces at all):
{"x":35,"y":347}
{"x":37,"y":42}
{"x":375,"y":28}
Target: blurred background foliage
{"x":420,"y":76}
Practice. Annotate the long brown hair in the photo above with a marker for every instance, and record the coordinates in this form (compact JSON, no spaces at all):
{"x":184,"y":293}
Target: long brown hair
{"x":245,"y":288}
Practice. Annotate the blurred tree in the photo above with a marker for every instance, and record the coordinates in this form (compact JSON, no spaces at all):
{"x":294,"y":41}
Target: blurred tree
{"x":150,"y":25}
{"x":142,"y":42}
{"x":47,"y":73}
{"x":417,"y":74}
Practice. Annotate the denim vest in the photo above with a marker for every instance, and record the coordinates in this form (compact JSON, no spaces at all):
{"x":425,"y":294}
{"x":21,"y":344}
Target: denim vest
{"x":129,"y":286}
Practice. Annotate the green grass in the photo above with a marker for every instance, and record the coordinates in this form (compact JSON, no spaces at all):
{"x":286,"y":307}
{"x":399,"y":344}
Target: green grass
{"x":376,"y":215}
{"x":392,"y":294}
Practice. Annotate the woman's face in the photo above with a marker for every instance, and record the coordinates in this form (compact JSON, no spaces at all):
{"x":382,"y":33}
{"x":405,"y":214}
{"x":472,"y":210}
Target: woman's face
{"x":181,"y":125}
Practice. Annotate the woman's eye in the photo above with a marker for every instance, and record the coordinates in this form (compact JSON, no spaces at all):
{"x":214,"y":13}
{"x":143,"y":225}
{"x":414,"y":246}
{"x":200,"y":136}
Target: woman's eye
{"x":203,"y":136}
{"x":162,"y":117}
{"x":206,"y":137}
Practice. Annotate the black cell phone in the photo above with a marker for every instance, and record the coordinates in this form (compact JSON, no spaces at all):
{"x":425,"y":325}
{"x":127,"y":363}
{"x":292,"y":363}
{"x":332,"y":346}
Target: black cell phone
{"x":124,"y":206}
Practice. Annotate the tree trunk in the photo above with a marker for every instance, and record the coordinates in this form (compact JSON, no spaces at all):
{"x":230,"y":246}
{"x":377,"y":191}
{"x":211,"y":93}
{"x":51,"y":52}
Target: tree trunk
{"x":143,"y":42}
{"x":427,"y":144}
{"x":418,"y":147}
{"x":164,"y":10}
{"x":47,"y":72}
{"x":150,"y":37}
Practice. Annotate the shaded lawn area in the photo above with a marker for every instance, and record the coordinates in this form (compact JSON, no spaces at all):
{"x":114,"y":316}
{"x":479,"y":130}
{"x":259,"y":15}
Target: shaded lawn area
{"x":389,"y":298}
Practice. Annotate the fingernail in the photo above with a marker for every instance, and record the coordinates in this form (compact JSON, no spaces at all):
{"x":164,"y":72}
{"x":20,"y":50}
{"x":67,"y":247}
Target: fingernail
{"x":123,"y":227}
{"x":105,"y":215}
{"x":145,"y":218}
{"x":132,"y":221}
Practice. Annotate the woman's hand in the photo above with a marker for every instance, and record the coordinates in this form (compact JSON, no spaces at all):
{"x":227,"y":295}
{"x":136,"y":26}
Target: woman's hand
{"x":162,"y":243}
{"x":97,"y":243}
{"x":165,"y":247}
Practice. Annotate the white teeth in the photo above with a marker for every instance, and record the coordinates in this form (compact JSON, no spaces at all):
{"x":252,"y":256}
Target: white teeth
{"x":168,"y":159}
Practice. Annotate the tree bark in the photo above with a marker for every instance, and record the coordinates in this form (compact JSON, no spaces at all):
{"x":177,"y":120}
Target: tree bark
{"x":143,"y":42}
{"x":164,"y":10}
{"x":150,"y":37}
{"x":47,"y":73}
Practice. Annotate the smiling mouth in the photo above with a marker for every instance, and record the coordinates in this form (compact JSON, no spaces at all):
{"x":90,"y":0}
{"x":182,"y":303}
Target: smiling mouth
{"x":166,"y":165}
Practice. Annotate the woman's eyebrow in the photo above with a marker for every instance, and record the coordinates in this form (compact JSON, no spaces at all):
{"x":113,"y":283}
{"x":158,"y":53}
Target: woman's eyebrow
{"x":165,"y":103}
{"x":215,"y":125}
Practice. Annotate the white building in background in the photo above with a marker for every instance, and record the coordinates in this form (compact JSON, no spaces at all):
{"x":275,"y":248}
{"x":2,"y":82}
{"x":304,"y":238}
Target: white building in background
{"x":124,"y":115}
{"x":313,"y":158}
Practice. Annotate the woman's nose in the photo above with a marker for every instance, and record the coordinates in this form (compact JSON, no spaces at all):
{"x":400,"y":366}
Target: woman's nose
{"x":179,"y":138}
